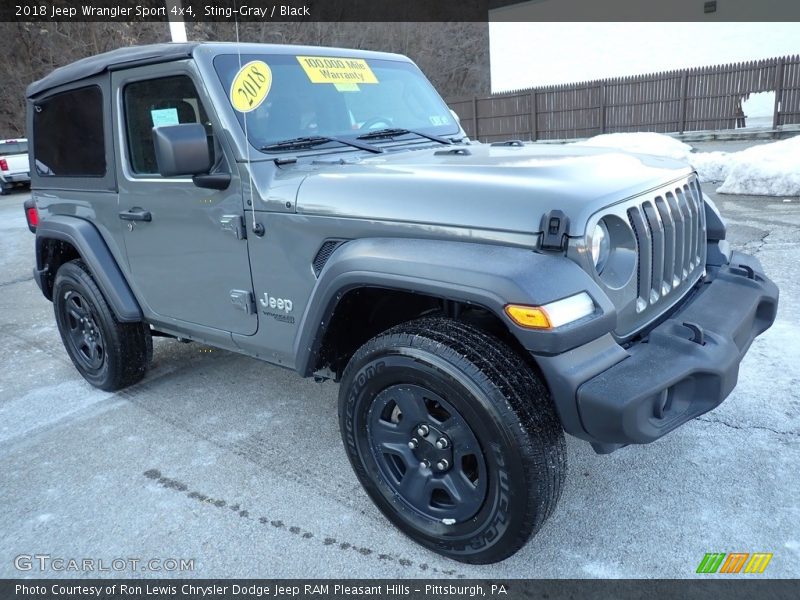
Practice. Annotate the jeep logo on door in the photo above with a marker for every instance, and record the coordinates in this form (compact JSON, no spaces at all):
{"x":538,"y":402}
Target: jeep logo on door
{"x":274,"y":303}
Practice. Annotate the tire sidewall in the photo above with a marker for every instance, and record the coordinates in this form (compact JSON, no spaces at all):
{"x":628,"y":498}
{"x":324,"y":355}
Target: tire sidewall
{"x":503,"y":510}
{"x":70,"y":277}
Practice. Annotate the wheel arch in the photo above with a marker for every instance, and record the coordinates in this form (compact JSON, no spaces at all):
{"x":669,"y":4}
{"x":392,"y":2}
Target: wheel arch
{"x":60,"y":238}
{"x":474,"y":275}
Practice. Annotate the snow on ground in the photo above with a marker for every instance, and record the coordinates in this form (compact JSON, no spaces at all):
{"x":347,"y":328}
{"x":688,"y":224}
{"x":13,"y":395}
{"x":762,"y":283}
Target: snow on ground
{"x":641,"y":143}
{"x":765,"y":170}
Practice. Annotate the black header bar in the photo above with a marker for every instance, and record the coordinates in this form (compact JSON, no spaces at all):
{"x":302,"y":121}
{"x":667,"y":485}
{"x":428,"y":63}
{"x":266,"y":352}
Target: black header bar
{"x":396,"y":10}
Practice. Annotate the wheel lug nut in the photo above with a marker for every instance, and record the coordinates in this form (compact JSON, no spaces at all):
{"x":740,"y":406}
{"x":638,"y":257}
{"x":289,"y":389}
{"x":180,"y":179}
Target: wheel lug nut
{"x":413,"y":443}
{"x":423,"y":430}
{"x":425,"y":464}
{"x":442,"y":464}
{"x":441,"y":443}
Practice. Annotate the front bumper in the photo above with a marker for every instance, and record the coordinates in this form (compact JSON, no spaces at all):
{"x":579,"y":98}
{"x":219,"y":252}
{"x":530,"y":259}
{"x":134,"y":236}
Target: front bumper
{"x":684,"y":367}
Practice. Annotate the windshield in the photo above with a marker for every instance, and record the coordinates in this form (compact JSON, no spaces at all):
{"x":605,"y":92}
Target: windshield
{"x":285,"y":97}
{"x":8,"y":148}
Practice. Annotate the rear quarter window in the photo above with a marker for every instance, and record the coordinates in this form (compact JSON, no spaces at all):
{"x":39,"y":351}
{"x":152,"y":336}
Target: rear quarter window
{"x":68,"y":136}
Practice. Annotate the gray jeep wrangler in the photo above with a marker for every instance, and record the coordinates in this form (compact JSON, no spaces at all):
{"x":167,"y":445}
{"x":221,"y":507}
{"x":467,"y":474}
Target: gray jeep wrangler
{"x":322,"y":209}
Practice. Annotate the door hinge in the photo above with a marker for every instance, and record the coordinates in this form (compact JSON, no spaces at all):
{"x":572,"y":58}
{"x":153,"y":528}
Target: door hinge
{"x":243,"y":300}
{"x":234,"y":224}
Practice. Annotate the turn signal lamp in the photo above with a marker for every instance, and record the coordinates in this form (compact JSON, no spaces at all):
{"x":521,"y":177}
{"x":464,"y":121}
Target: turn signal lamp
{"x":552,"y":315}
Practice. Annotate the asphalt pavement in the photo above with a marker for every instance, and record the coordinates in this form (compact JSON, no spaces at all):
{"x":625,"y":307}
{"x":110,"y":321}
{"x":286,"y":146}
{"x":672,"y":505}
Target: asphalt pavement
{"x":237,"y":465}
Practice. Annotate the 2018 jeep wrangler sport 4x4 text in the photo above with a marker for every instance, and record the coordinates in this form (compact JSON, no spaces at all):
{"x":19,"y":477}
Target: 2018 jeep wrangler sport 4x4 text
{"x":322,"y":209}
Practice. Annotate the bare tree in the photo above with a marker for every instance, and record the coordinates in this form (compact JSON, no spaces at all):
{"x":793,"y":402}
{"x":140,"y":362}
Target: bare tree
{"x":31,"y":50}
{"x":455,"y":56}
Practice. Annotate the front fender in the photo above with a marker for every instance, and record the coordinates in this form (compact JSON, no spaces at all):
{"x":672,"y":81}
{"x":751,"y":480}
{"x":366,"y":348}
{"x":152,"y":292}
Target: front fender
{"x":481,"y":274}
{"x":86,"y":239}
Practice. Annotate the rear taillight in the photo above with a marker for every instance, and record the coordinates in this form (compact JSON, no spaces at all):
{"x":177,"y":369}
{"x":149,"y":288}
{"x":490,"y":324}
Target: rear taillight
{"x":33,"y":217}
{"x":31,"y":214}
{"x":3,"y":164}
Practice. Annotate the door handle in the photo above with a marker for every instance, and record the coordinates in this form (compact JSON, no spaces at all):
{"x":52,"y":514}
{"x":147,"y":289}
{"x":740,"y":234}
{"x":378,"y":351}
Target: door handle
{"x":136,"y":214}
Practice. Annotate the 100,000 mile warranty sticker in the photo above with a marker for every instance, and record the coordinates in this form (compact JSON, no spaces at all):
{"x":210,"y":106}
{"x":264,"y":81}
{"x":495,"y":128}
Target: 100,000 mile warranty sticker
{"x":326,"y":69}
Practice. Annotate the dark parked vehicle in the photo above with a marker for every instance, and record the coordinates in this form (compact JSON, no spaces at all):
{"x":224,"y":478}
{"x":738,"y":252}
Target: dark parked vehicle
{"x":322,"y":209}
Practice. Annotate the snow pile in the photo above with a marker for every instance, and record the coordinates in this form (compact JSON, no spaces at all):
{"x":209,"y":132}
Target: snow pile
{"x":765,"y":170}
{"x":711,"y":166}
{"x":641,"y":143}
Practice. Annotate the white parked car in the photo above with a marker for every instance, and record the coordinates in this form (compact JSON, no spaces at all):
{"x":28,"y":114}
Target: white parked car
{"x":14,"y":166}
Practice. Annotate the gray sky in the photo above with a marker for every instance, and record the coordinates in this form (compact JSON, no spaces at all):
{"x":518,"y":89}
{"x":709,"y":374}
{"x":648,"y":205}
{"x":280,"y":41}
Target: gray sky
{"x":531,"y":54}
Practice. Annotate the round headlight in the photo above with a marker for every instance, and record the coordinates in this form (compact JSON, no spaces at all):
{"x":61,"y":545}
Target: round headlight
{"x":600,"y":245}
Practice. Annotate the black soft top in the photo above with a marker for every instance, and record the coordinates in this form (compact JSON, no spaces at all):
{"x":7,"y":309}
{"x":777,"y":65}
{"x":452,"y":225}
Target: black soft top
{"x":109,"y":61}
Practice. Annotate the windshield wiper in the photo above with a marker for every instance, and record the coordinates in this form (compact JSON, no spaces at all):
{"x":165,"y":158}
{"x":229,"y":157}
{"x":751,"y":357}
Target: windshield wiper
{"x":392,"y":132}
{"x":316,"y":140}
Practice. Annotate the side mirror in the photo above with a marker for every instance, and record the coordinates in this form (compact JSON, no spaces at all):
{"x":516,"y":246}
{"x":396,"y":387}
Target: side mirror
{"x":181,"y":149}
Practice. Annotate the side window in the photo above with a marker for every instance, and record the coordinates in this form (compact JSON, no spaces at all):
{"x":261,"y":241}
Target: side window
{"x":68,"y":134}
{"x":153,"y":103}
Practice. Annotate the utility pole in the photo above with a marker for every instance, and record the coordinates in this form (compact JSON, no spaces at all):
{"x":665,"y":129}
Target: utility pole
{"x":177,"y":28}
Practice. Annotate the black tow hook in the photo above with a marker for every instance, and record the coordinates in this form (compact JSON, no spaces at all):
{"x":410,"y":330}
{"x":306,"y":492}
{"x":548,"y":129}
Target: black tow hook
{"x":698,"y":336}
{"x":748,"y":270}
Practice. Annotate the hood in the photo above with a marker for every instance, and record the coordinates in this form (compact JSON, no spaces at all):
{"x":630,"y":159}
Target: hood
{"x":501,"y":188}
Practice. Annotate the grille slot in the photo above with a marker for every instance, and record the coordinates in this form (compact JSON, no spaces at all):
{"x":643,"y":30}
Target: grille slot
{"x":670,"y":239}
{"x":656,"y":250}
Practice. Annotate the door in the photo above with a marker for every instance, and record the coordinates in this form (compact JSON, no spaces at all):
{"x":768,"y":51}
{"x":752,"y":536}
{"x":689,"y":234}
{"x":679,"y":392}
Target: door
{"x":186,"y":248}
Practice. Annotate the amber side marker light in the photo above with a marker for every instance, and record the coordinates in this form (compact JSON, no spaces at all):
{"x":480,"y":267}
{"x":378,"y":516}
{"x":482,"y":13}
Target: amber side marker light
{"x":528,"y":316}
{"x":552,"y":315}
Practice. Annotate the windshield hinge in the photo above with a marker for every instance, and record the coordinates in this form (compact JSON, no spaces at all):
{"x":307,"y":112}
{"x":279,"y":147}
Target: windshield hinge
{"x":453,"y":152}
{"x":235,"y":225}
{"x":243,"y":300}
{"x":515,"y":143}
{"x":554,"y":230}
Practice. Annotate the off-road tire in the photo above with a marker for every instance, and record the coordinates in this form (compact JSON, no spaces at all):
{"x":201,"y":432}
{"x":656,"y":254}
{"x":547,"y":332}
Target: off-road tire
{"x":492,"y":391}
{"x":126,"y":348}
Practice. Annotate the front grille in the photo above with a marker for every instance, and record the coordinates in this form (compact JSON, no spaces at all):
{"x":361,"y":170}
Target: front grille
{"x":670,"y":236}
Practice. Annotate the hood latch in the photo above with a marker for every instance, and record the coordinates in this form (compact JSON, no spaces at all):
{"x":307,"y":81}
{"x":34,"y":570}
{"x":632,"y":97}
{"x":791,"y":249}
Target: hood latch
{"x":554,"y":230}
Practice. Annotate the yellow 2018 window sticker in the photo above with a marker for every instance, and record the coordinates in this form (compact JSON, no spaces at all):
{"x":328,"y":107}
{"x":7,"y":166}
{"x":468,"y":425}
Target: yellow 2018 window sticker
{"x":251,"y":86}
{"x":329,"y":69}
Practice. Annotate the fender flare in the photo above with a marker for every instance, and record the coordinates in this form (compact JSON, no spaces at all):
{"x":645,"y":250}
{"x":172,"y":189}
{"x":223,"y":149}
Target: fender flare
{"x":482,"y":274}
{"x":86,"y":239}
